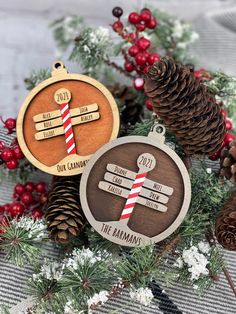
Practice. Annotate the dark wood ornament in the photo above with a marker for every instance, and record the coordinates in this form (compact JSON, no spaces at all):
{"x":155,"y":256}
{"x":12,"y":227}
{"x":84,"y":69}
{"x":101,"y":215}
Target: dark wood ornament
{"x":136,"y":190}
{"x":64,"y":120}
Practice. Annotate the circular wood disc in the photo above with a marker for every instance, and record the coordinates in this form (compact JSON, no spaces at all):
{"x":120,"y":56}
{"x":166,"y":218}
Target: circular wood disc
{"x":41,"y":130}
{"x":109,"y":189}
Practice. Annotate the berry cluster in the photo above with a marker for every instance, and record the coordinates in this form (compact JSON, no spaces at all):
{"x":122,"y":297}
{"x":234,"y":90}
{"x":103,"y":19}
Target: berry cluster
{"x":138,"y":58}
{"x":228,"y":136}
{"x":28,"y":199}
{"x":9,"y":124}
{"x":10,"y":156}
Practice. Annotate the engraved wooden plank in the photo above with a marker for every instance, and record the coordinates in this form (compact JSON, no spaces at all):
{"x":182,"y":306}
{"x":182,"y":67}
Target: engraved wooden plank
{"x":122,"y":192}
{"x":121,"y":181}
{"x":60,"y":130}
{"x":147,"y":183}
{"x":56,"y":113}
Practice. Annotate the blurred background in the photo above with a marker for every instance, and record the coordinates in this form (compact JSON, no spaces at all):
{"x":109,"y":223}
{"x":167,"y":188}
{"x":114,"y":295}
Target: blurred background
{"x":27,"y":42}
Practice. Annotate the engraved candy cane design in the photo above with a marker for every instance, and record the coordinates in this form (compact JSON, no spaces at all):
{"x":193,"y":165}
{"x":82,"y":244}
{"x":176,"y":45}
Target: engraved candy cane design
{"x":146,"y":162}
{"x":62,"y":97}
{"x":133,"y":195}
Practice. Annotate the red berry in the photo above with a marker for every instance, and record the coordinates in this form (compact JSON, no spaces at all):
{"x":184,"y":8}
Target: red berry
{"x":40,"y":187}
{"x":43,"y":198}
{"x":138,"y":83}
{"x":133,"y":50}
{"x":12,"y":164}
{"x":146,"y":54}
{"x":149,"y":105}
{"x":29,"y":186}
{"x":129,"y":67}
{"x":224,"y":113}
{"x":152,"y":23}
{"x":2,"y":145}
{"x":2,"y":209}
{"x":132,"y":37}
{"x":145,"y":70}
{"x":16,"y":197}
{"x":10,"y":124}
{"x":18,"y":152}
{"x":134,"y":18}
{"x":7,"y":208}
{"x":140,"y":59}
{"x":19,"y":188}
{"x":215,"y":156}
{"x":117,"y":26}
{"x":228,"y":124}
{"x":37,"y":213}
{"x":154,"y":57}
{"x":143,"y":43}
{"x":228,"y":138}
{"x":145,"y":15}
{"x":17,"y":209}
{"x":27,"y":198}
{"x":140,"y":27}
{"x":7,"y":154}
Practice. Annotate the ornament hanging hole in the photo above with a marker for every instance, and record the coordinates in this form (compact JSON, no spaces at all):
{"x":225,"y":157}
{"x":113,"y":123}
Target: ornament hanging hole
{"x":159,"y":129}
{"x":58,"y":65}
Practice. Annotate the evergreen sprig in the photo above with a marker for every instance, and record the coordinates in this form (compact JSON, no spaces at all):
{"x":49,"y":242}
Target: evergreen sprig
{"x":92,"y":49}
{"x":208,"y":193}
{"x":22,"y":240}
{"x":65,"y":29}
{"x":205,"y":281}
{"x":173,"y":36}
{"x":36,"y":77}
{"x":138,"y":267}
{"x":224,"y":87}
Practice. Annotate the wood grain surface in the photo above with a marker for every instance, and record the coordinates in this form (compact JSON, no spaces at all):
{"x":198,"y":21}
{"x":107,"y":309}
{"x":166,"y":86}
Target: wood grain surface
{"x":108,"y":207}
{"x":88,"y":136}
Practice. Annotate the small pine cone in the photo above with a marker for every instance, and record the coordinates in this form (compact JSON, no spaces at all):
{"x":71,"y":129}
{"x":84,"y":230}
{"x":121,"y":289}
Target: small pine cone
{"x":225,"y":229}
{"x":228,"y":162}
{"x":126,"y":96}
{"x":64,"y":215}
{"x":185,"y":106}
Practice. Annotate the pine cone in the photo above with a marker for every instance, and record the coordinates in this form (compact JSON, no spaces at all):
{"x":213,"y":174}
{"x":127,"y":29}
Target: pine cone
{"x":185,"y":106}
{"x":226,"y":225}
{"x":131,"y":111}
{"x":228,"y":162}
{"x":64,"y":215}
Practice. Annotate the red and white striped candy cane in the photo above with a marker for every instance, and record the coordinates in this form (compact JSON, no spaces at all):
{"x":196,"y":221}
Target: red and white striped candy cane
{"x":146,"y":162}
{"x":133,"y":195}
{"x":66,"y":118}
{"x":60,"y":97}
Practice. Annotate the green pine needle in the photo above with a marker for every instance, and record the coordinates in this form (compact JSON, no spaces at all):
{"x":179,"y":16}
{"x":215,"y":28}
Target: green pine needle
{"x":22,"y":240}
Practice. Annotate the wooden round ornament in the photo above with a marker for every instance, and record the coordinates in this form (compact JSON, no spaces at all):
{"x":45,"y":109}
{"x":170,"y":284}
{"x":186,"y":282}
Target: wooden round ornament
{"x":136,"y":190}
{"x":64,"y":120}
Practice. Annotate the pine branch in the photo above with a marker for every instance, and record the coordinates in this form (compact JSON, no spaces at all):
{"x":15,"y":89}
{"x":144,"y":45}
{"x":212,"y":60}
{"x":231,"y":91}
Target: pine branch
{"x":36,"y":77}
{"x":212,"y":241}
{"x":22,"y":239}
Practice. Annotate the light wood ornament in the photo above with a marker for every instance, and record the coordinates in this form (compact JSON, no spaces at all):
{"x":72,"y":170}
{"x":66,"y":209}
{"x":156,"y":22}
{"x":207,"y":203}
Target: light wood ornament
{"x":136,"y":190}
{"x":64,"y":120}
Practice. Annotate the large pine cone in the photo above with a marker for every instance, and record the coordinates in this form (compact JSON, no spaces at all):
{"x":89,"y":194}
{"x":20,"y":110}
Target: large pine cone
{"x":131,"y":111}
{"x":226,"y":225}
{"x":64,"y":215}
{"x":228,"y":162}
{"x":185,"y":106}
